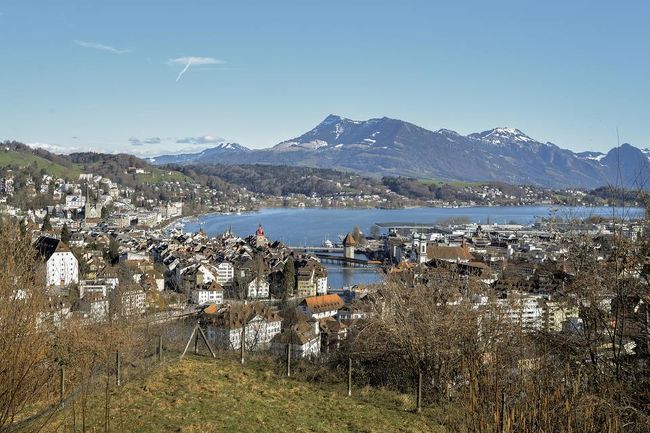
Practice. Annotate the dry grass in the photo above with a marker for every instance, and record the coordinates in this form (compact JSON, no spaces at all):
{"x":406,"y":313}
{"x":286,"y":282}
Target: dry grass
{"x":207,"y":395}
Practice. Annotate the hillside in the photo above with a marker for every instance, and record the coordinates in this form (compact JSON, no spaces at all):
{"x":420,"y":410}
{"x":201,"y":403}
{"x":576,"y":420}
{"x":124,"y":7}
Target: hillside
{"x":15,"y":159}
{"x":392,"y":147}
{"x":18,"y":156}
{"x":204,"y":394}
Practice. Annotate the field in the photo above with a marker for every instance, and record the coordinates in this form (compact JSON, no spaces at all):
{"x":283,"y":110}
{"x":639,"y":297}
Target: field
{"x":217,"y":395}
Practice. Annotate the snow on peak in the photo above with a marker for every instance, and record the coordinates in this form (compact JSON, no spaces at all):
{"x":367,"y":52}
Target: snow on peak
{"x":447,"y":132}
{"x":503,"y":135}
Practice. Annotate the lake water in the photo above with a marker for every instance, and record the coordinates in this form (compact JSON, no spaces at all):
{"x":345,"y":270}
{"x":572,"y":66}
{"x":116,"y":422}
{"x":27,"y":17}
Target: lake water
{"x":294,"y":226}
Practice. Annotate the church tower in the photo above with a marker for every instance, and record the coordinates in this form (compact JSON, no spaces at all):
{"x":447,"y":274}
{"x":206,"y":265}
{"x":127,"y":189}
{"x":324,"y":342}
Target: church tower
{"x":260,"y":239}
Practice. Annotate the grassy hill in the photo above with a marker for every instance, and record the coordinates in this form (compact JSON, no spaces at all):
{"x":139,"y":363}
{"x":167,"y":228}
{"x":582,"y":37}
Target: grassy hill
{"x":17,"y":156}
{"x":217,"y":395}
{"x":17,"y":159}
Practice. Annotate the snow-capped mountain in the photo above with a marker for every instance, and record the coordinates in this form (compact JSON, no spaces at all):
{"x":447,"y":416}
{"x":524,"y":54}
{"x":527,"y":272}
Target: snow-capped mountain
{"x":221,"y":149}
{"x":593,"y":156}
{"x":385,"y":146}
{"x":502,"y":136}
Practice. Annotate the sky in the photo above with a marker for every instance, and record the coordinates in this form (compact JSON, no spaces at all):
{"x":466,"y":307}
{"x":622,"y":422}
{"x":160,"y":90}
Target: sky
{"x":165,"y":76}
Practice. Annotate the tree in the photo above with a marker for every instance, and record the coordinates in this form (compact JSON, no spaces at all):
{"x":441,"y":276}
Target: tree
{"x":24,"y":332}
{"x":113,"y":253}
{"x":358,"y":236}
{"x":65,"y":233}
{"x":47,"y":225}
{"x":288,"y":279}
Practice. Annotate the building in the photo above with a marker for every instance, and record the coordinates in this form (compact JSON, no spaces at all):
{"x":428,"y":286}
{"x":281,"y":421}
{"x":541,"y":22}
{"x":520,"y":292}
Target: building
{"x":225,"y":273}
{"x":210,"y":294}
{"x":61,"y":266}
{"x":318,"y":307}
{"x":255,"y":322}
{"x":134,"y":302}
{"x":349,"y":245}
{"x":419,"y":245}
{"x":305,"y":340}
{"x":260,"y":239}
{"x":258,"y":288}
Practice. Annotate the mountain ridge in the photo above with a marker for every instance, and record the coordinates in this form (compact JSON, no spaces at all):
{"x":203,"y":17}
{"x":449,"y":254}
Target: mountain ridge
{"x":393,"y":147}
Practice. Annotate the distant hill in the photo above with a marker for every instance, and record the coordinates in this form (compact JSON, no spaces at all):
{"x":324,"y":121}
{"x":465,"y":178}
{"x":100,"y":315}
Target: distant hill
{"x":386,"y":146}
{"x":15,"y":155}
{"x":219,"y":151}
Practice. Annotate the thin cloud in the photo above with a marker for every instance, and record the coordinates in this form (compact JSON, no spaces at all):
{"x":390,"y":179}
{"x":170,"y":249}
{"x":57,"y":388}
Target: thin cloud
{"x":203,"y":139}
{"x":101,"y":47}
{"x":193,"y":61}
{"x":137,"y":142}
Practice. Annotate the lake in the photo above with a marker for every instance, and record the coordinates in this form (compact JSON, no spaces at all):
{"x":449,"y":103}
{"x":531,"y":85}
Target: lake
{"x":295,"y":226}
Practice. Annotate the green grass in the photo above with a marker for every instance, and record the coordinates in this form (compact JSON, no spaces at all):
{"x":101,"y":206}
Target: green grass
{"x":217,"y":395}
{"x":21,"y":159}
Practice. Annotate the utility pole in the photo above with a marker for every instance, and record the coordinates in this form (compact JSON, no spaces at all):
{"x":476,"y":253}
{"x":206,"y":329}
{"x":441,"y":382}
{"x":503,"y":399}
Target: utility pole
{"x":349,"y":376}
{"x":62,"y":385}
{"x":243,"y":342}
{"x":289,"y":359}
{"x":118,"y":380}
{"x":419,"y":395}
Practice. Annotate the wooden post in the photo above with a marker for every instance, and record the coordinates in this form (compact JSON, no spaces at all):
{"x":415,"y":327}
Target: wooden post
{"x":62,"y":385}
{"x":118,"y":380}
{"x":160,"y":347}
{"x":418,"y":408}
{"x":196,"y":343}
{"x":187,"y":346}
{"x":289,"y":359}
{"x":205,"y":340}
{"x":242,"y":342}
{"x":501,"y":411}
{"x":349,"y":376}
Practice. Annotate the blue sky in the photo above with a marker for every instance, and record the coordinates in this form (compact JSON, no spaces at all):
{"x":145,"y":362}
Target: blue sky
{"x":102,"y":75}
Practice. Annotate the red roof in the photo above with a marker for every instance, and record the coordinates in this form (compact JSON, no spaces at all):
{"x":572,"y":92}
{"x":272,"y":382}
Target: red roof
{"x":318,"y":304}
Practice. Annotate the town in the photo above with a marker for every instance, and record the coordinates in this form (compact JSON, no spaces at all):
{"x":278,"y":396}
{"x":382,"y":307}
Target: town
{"x":104,"y":255}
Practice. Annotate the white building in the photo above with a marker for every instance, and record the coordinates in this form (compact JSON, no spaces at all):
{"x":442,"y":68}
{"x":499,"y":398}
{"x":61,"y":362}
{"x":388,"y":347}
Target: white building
{"x":225,"y":273}
{"x":260,"y":325}
{"x":305,"y":341}
{"x":74,"y":202}
{"x":134,"y":302}
{"x":61,"y":266}
{"x":258,"y":288}
{"x":318,"y":307}
{"x":212,"y":294}
{"x":321,"y":285}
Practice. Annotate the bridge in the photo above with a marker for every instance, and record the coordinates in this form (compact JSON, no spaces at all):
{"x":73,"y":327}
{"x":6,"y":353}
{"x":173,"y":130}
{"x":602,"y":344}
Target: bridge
{"x":320,"y":249}
{"x":330,"y":258}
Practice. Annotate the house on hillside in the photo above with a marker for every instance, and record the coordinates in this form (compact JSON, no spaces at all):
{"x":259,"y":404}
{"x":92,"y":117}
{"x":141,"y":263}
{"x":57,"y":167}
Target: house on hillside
{"x":318,"y":307}
{"x":61,"y":266}
{"x":258,"y":288}
{"x":305,"y":340}
{"x":224,"y":326}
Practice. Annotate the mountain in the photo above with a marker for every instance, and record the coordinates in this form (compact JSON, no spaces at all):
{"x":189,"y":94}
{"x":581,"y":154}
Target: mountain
{"x":221,"y":150}
{"x":391,"y":147}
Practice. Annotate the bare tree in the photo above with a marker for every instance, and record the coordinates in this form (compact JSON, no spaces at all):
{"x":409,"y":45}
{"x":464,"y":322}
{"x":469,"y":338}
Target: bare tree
{"x":25,"y":326}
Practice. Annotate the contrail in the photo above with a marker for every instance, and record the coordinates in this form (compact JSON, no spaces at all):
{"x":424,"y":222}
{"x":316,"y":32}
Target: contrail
{"x":183,"y":71}
{"x":193,"y":61}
